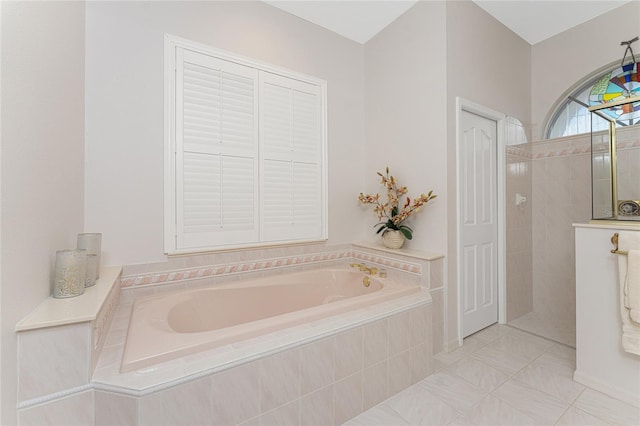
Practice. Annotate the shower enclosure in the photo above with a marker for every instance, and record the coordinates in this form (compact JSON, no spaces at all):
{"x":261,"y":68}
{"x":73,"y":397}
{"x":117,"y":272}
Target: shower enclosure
{"x":615,"y":156}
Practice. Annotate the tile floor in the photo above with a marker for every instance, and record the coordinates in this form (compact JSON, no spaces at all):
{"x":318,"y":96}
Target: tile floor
{"x":501,"y":376}
{"x":546,"y":326}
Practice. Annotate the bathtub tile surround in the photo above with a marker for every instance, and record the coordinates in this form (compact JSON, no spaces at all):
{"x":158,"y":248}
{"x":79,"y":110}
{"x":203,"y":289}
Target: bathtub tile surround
{"x":278,"y":260}
{"x":278,"y":386}
{"x":53,"y":359}
{"x":76,"y":409}
{"x":185,"y":268}
{"x":324,"y":372}
{"x":318,"y":367}
{"x":424,"y":269}
{"x":113,"y":409}
{"x":58,"y":347}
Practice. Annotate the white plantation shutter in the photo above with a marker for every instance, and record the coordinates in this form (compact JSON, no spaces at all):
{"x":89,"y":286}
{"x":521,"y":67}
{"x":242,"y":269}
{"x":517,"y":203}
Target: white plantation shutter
{"x":291,"y":158}
{"x":217,"y":157}
{"x":245,"y":152}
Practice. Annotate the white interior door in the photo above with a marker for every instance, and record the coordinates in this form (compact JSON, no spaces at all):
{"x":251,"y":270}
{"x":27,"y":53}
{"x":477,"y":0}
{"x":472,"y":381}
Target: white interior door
{"x":478,"y":217}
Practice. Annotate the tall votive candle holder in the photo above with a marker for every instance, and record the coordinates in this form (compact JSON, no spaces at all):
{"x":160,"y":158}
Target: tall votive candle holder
{"x":92,"y":265}
{"x":70,"y":273}
{"x":92,"y":242}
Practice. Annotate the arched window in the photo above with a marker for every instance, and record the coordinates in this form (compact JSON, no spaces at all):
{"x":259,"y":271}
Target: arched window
{"x":572,"y":117}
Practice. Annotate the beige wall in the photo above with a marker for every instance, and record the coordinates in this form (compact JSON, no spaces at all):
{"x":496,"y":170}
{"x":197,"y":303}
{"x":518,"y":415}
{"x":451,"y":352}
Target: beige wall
{"x":560,"y":61}
{"x":42,"y":159}
{"x":489,"y":65}
{"x":405,"y":97}
{"x":124,"y":108}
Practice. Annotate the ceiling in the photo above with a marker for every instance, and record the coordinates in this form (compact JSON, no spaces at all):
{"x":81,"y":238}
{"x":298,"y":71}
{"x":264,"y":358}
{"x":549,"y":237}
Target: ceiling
{"x":533,"y":20}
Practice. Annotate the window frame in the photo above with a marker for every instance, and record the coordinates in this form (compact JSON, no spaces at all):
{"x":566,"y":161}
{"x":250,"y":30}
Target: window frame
{"x":170,"y":205}
{"x":569,"y":96}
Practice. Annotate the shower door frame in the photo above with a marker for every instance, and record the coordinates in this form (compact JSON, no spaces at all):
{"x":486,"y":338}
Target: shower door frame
{"x":500,"y":120}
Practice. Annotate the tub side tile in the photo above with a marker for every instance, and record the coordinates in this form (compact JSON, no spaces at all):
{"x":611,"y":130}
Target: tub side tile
{"x":376,"y":344}
{"x":185,"y":404}
{"x":254,"y":421}
{"x":236,"y":394}
{"x":349,"y":352}
{"x":348,"y":400}
{"x":317,"y":366}
{"x":115,"y":410}
{"x":317,"y":408}
{"x":419,"y":362}
{"x":399,"y":339}
{"x":53,"y":359}
{"x":417,"y":326}
{"x":72,"y":410}
{"x":399,"y":372}
{"x":375,"y":384}
{"x":288,"y":414}
{"x":279,"y":379}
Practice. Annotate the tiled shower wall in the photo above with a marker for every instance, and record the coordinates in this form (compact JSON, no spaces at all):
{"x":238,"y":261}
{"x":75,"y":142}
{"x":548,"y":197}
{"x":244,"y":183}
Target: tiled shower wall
{"x":561,"y":181}
{"x":519,"y":225}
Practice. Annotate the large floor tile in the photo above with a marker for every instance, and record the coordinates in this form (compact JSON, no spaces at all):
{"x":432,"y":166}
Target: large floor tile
{"x":608,"y":409}
{"x":546,"y":380}
{"x":556,"y":364}
{"x":495,"y":412}
{"x":507,"y":362}
{"x":575,"y":417}
{"x":380,"y":415}
{"x":490,"y":333}
{"x":527,"y":347}
{"x":542,"y":407}
{"x":479,"y":374}
{"x":470,"y":345}
{"x":453,"y":390}
{"x":445,"y":359}
{"x":418,"y":406}
{"x":543,"y":325}
{"x":563,"y":351}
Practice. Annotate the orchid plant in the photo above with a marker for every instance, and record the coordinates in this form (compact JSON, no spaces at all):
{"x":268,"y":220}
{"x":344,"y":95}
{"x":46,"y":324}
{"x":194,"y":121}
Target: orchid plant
{"x":390,"y":214}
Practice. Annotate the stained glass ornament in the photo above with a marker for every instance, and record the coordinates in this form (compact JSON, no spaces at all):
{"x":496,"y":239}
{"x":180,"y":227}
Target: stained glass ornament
{"x":621,"y":83}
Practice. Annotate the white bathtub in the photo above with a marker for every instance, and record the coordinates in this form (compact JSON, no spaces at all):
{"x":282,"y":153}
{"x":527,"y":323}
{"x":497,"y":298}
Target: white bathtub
{"x":172,"y":325}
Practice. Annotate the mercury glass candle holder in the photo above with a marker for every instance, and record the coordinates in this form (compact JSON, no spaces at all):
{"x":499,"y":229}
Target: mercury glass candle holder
{"x":92,"y":242}
{"x":71,"y":269}
{"x":92,"y":265}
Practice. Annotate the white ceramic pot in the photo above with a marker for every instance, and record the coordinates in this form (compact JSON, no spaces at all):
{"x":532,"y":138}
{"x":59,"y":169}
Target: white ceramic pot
{"x":393,"y":239}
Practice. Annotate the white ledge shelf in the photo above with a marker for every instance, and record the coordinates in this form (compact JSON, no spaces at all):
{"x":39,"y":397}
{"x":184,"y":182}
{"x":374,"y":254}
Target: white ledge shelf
{"x":53,"y":312}
{"x":416,"y":254}
{"x":609,"y":224}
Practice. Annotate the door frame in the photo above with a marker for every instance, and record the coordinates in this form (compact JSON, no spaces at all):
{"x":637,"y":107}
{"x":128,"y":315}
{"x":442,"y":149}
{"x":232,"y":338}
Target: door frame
{"x":500,"y":119}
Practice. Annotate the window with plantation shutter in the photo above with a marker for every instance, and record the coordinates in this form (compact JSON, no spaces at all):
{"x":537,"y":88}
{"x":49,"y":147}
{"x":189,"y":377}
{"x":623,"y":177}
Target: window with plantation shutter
{"x":291,"y":166}
{"x":245,"y":152}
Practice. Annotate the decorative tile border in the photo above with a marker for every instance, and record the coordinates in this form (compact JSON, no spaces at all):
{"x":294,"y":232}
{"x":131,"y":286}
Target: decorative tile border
{"x":519,"y":151}
{"x":584,"y":150}
{"x":105,"y":315}
{"x":413,"y":268}
{"x":235,"y":268}
{"x":264,"y":265}
{"x":627,"y":138}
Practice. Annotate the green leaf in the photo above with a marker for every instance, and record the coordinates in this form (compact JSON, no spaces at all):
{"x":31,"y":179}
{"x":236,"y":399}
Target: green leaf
{"x":406,"y":232}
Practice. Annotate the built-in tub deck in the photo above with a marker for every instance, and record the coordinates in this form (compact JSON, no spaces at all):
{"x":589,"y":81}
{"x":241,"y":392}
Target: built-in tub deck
{"x":170,"y":373}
